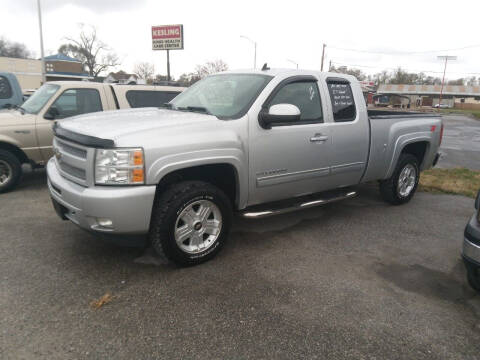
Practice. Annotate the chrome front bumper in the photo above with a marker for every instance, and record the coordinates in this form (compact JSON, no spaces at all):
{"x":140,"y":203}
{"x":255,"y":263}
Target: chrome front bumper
{"x":128,"y":207}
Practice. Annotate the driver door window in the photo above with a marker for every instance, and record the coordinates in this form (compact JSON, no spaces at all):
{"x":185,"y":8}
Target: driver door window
{"x":305,"y":96}
{"x":76,"y":102}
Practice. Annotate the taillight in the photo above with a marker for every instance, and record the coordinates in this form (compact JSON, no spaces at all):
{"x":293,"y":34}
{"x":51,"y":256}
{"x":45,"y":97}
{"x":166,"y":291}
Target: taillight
{"x":441,"y":135}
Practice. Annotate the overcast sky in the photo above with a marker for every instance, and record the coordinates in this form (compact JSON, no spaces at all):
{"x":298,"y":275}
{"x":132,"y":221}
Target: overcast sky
{"x":396,"y":33}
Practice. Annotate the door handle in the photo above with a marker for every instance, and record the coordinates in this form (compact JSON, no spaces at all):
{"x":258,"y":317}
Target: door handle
{"x":319,"y":138}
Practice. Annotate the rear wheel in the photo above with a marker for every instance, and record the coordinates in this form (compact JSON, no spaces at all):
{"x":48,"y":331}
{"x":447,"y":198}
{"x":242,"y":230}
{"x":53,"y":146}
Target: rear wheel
{"x":10,"y":171}
{"x":401,"y":186}
{"x":190,"y":222}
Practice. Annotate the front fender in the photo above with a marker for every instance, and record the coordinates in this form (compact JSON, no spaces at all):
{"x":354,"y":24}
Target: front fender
{"x":9,"y":140}
{"x":173,"y":162}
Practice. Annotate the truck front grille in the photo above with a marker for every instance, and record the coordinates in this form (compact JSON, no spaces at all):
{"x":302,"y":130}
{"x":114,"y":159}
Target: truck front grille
{"x":72,"y":170}
{"x":81,"y":153}
{"x":73,"y":161}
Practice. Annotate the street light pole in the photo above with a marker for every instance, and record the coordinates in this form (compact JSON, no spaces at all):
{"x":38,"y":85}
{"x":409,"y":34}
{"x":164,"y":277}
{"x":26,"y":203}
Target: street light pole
{"x":446,"y":58}
{"x":323,"y":56}
{"x":255,"y":48}
{"x":41,"y":41}
{"x":293,"y":62}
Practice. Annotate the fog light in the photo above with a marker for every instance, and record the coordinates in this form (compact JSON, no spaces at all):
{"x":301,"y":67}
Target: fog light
{"x":104,"y":222}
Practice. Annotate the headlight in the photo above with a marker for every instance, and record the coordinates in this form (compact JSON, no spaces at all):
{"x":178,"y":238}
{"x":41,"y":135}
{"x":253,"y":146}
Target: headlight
{"x":119,"y":167}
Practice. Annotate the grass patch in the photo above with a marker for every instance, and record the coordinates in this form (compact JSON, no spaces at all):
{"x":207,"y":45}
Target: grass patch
{"x":473,"y":113}
{"x":458,"y":181}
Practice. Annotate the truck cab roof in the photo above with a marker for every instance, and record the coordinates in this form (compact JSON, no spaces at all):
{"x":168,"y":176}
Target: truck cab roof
{"x":284,"y":72}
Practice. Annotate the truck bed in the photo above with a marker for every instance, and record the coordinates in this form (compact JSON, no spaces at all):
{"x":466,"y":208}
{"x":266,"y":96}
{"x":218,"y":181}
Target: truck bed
{"x":391,"y":131}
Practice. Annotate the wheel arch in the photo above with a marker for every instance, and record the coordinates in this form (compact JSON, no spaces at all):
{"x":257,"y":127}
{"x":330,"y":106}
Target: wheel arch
{"x":15,"y":150}
{"x":418,"y":149}
{"x":417,"y":146}
{"x":222,"y":174}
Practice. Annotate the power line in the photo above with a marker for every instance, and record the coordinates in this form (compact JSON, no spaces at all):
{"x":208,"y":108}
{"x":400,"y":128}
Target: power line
{"x":404,"y":52}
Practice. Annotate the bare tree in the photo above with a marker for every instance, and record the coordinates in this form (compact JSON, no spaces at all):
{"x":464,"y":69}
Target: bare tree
{"x":460,"y":81}
{"x":359,"y":74}
{"x":210,"y":67}
{"x":144,"y":70}
{"x":94,"y":53}
{"x":472,"y":81}
{"x":14,"y":49}
{"x":188,"y":79}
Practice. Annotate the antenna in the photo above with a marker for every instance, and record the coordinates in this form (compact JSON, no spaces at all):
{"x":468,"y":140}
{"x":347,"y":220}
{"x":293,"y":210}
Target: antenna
{"x":265,"y":67}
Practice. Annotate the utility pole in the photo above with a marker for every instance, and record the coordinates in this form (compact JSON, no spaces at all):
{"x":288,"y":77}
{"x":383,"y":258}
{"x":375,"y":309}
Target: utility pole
{"x":255,"y":50}
{"x":323,"y":56}
{"x":41,"y":41}
{"x":168,"y":66}
{"x":446,"y":58}
{"x":330,"y":66}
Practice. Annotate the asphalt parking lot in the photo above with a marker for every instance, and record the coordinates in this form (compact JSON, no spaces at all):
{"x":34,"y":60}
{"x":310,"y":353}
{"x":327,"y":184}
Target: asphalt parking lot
{"x":357,"y":279}
{"x":461,"y":142}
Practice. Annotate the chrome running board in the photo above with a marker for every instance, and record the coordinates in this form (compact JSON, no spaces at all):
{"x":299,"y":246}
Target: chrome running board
{"x":304,"y":202}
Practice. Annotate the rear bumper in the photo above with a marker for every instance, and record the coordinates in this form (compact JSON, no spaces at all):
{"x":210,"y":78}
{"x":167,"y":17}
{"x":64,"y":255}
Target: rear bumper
{"x":471,"y":242}
{"x":129,"y":208}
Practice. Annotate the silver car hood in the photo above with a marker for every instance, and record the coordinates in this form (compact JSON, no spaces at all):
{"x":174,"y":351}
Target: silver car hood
{"x":119,"y":123}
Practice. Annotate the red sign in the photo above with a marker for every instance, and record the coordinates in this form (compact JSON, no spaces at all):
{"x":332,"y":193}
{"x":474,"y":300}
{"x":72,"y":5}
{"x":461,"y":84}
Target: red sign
{"x":167,"y":37}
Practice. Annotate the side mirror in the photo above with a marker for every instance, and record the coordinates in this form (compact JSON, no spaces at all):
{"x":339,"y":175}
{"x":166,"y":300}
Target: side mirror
{"x":51,"y":114}
{"x":278,"y":114}
{"x":477,"y":201}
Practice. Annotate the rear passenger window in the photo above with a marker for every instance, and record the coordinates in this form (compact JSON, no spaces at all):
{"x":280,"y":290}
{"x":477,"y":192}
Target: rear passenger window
{"x":5,"y":88}
{"x":343,"y":105}
{"x":145,"y":98}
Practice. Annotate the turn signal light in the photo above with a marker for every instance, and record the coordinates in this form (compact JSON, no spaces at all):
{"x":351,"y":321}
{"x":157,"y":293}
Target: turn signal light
{"x":137,"y":176}
{"x":138,"y":158}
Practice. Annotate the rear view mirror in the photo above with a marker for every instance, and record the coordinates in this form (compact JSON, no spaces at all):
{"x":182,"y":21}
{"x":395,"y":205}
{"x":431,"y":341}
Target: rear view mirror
{"x":477,"y":201}
{"x":279,"y":114}
{"x":51,"y":114}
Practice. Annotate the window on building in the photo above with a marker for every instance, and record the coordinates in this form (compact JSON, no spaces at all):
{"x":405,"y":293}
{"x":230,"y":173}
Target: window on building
{"x":305,"y":96}
{"x":5,"y":88}
{"x":343,"y":104}
{"x":76,"y":102}
{"x":145,"y":98}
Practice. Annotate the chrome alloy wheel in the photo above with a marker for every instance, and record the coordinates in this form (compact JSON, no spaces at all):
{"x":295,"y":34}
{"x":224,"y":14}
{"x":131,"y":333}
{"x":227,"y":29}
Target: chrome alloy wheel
{"x":6,"y":172}
{"x":406,"y":180}
{"x":198,"y":226}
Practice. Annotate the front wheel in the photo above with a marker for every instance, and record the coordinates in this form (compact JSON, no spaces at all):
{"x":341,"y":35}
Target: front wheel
{"x":190,"y":222}
{"x":401,"y":186}
{"x":10,"y":171}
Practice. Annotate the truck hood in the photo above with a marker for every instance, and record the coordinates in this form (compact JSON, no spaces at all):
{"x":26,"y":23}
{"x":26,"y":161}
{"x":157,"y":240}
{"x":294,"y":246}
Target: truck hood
{"x":12,"y":117}
{"x":116,"y":124}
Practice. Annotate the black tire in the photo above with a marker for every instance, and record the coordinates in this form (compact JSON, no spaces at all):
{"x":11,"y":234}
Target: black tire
{"x":11,"y":163}
{"x":167,"y":208}
{"x":389,"y":187}
{"x":473,"y":279}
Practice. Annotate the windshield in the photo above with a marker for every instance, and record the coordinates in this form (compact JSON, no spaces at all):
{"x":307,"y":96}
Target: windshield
{"x":226,"y":96}
{"x":39,"y":98}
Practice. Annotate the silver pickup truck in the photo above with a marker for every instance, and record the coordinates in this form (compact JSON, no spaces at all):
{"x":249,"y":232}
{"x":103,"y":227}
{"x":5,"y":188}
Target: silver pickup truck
{"x":255,"y":142}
